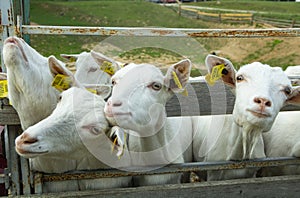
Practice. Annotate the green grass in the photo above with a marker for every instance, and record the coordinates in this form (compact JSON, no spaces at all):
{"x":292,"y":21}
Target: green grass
{"x":97,"y":13}
{"x":272,"y":9}
{"x":140,"y":13}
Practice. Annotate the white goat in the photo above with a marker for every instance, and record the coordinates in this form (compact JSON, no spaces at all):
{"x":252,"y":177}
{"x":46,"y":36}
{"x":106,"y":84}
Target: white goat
{"x":31,"y":94}
{"x":261,"y":91}
{"x":74,"y":130}
{"x":293,"y":71}
{"x":137,"y":103}
{"x":93,"y":67}
{"x":283,"y":140}
{"x":29,"y":81}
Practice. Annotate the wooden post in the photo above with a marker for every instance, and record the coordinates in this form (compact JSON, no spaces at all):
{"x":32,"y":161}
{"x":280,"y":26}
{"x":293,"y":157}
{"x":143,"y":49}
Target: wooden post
{"x":26,"y":18}
{"x":293,"y":23}
{"x":220,"y":17}
{"x":179,"y":7}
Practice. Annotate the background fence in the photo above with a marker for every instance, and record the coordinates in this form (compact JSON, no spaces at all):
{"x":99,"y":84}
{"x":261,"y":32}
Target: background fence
{"x":249,"y":18}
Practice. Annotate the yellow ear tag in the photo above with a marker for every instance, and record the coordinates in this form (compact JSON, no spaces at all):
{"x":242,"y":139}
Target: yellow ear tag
{"x":185,"y":93}
{"x":120,"y":151}
{"x":72,"y":59}
{"x":3,"y":89}
{"x":207,"y":78}
{"x":176,"y":80}
{"x":94,"y":91}
{"x":107,"y":68}
{"x":61,"y":82}
{"x":215,"y":75}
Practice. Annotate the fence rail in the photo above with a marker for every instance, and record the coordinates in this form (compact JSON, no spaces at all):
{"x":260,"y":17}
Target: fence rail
{"x":238,"y":18}
{"x":173,"y":32}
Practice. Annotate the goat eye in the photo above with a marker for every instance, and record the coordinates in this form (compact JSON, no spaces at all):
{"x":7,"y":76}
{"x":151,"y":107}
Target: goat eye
{"x":113,"y":82}
{"x":239,"y":78}
{"x":59,"y":98}
{"x":96,"y":130}
{"x":287,"y":90}
{"x":156,"y":86}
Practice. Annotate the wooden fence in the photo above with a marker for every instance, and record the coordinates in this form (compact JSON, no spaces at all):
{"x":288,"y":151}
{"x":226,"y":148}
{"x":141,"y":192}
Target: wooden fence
{"x":238,"y":18}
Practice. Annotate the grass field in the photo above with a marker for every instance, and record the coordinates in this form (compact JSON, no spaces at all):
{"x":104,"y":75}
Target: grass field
{"x":145,"y":14}
{"x":272,"y":9}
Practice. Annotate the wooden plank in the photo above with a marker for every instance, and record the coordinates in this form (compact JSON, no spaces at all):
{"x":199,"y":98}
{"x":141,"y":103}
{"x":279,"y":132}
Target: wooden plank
{"x":8,"y":115}
{"x":206,"y":100}
{"x":281,"y":186}
{"x":14,"y":163}
{"x":201,"y":100}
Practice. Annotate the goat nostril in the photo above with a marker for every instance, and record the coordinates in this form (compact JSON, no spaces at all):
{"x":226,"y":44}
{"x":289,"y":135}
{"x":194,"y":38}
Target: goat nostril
{"x":26,"y":139}
{"x":263,"y":101}
{"x":117,"y":104}
{"x":257,"y":100}
{"x":30,"y":140}
{"x":268,"y":103}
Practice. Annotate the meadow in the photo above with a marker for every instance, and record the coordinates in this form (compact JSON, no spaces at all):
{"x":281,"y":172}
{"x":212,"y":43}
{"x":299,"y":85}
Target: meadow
{"x":274,"y":51}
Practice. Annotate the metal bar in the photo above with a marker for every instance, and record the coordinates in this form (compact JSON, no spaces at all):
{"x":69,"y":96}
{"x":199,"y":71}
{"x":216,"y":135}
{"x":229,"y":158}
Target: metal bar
{"x":7,"y":24}
{"x":38,"y":184}
{"x":2,"y":178}
{"x":174,"y":32}
{"x":25,"y":171}
{"x":12,"y":132}
{"x":173,"y":168}
{"x":26,"y":17}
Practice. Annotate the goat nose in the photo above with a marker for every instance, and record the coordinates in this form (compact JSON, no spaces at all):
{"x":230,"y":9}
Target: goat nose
{"x":263,"y":102}
{"x":27,"y":139}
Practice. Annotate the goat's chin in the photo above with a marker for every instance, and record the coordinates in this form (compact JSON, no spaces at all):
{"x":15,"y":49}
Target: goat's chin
{"x":27,"y":154}
{"x":264,"y":123}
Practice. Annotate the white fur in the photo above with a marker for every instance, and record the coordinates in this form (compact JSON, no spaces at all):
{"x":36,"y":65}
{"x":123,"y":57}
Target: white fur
{"x":88,"y":67}
{"x":240,"y":136}
{"x":283,"y":141}
{"x":293,"y":71}
{"x":75,"y":128}
{"x":136,"y":105}
{"x":29,"y":81}
{"x":31,"y":94}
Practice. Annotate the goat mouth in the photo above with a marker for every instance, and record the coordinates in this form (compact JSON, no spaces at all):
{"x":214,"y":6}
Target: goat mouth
{"x":30,"y":153}
{"x":15,"y":42}
{"x":259,"y":114}
{"x":110,"y":114}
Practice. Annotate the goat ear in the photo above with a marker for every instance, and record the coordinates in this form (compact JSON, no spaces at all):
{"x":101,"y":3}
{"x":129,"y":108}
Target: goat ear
{"x":228,"y":73}
{"x":70,"y":57}
{"x":178,"y":75}
{"x":101,"y":90}
{"x":106,"y":64}
{"x":3,"y":76}
{"x":57,"y":67}
{"x":294,"y":97}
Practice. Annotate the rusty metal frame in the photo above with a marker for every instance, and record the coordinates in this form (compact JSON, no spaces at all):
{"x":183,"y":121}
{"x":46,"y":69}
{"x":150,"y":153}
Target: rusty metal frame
{"x":173,"y":168}
{"x":172,"y":32}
